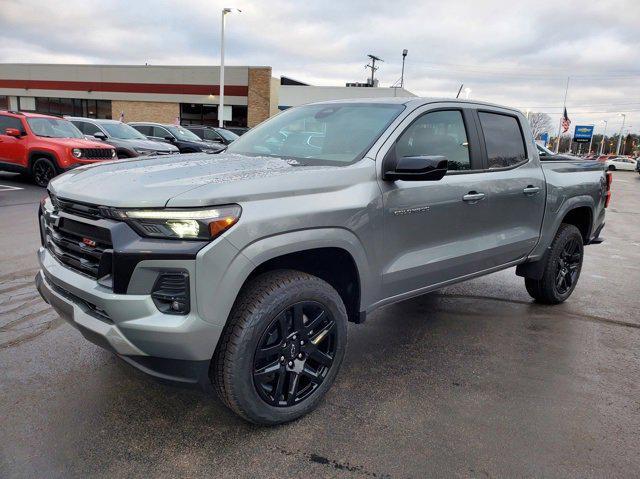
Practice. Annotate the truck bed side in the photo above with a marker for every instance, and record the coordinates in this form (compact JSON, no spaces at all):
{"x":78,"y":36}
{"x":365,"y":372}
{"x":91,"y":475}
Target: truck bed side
{"x":572,"y":185}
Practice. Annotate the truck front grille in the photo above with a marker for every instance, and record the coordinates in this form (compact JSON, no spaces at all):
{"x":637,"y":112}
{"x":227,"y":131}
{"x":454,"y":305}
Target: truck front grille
{"x":82,"y":247}
{"x":75,"y":208}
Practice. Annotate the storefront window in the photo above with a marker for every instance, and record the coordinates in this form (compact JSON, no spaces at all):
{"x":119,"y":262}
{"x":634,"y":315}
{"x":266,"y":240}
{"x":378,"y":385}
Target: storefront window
{"x":198,"y":114}
{"x":71,"y":107}
{"x":4,"y":102}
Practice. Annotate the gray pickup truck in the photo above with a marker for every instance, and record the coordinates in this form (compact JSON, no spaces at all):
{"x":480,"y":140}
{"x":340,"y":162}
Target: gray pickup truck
{"x":241,"y":270}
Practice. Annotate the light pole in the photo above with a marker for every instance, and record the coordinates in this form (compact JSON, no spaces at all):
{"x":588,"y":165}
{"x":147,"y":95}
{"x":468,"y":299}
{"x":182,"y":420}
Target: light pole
{"x":221,"y":107}
{"x":606,"y":122}
{"x":404,"y":56}
{"x":624,"y":117}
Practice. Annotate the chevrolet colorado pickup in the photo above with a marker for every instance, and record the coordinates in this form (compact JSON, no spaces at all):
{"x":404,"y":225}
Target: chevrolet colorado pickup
{"x":43,"y":146}
{"x":241,"y":270}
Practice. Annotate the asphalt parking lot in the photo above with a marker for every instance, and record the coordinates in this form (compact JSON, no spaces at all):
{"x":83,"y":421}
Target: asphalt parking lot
{"x":472,"y":381}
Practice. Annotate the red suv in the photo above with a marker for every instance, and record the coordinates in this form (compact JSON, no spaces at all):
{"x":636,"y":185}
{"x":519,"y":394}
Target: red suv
{"x":43,"y":146}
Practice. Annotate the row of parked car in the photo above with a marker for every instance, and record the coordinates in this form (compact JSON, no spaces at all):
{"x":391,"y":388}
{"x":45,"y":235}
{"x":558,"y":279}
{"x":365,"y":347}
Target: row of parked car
{"x":611,"y":162}
{"x":43,"y":146}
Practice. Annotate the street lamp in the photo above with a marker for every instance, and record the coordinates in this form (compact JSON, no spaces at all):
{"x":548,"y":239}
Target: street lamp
{"x":404,"y":56}
{"x":606,"y":122}
{"x":624,"y":117}
{"x":221,"y":107}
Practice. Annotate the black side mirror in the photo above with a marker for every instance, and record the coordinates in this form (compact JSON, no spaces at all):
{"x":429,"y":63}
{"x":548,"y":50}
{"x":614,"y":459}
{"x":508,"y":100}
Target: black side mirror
{"x":414,"y":168}
{"x":170,"y":138}
{"x":100,"y":136}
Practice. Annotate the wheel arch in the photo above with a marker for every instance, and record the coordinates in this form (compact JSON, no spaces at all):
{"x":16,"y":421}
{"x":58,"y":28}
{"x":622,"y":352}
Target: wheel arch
{"x":578,"y":213}
{"x":37,"y":154}
{"x":335,"y":255}
{"x":334,"y":265}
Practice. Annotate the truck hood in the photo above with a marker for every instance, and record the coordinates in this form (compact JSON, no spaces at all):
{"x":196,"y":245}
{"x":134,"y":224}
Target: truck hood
{"x":197,"y":179}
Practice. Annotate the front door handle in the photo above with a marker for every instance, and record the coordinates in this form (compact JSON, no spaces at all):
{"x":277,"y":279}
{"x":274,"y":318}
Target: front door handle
{"x":473,"y":197}
{"x":531,"y":190}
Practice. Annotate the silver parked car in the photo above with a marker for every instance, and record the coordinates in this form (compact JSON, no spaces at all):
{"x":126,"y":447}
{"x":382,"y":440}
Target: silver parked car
{"x":242,"y":269}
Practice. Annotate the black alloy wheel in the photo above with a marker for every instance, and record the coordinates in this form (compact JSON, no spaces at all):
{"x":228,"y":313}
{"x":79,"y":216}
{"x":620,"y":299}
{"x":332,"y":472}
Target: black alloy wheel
{"x":43,"y":171}
{"x":562,"y":266}
{"x":294,"y":354}
{"x":568,"y":266}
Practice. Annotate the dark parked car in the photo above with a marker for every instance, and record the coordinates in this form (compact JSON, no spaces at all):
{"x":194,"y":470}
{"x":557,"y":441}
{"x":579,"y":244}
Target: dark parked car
{"x":210,"y":133}
{"x":182,"y":138}
{"x":128,"y":141}
{"x":238,"y":130}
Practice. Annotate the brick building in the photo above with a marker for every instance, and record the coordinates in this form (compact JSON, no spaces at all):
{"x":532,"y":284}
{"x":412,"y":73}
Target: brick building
{"x":141,"y":93}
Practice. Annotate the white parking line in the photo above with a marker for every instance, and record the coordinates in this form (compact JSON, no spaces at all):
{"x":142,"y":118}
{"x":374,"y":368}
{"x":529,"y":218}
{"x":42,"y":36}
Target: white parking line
{"x":9,"y":188}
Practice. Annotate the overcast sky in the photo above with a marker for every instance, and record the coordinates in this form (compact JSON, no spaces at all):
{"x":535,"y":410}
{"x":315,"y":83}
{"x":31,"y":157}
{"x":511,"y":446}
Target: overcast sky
{"x":515,"y":53}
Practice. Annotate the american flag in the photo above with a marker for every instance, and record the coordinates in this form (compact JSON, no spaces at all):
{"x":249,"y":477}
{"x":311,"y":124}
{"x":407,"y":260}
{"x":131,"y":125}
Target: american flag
{"x":565,"y":121}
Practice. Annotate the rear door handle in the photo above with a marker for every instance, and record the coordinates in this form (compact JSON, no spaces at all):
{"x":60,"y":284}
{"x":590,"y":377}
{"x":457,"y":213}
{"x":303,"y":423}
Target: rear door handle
{"x":473,"y":197}
{"x":531,"y":190}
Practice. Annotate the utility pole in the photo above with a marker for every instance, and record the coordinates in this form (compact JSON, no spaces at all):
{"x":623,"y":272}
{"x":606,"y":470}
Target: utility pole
{"x":404,"y":56}
{"x":564,"y":104}
{"x":624,"y":117}
{"x":373,"y":67}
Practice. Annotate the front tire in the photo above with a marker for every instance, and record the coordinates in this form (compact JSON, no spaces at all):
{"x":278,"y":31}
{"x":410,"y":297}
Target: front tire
{"x":562,"y":268}
{"x":282,"y":347}
{"x":42,"y":171}
{"x":612,"y":168}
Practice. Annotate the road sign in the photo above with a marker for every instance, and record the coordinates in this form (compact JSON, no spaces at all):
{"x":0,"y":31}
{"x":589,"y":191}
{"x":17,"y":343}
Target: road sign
{"x":583,"y":133}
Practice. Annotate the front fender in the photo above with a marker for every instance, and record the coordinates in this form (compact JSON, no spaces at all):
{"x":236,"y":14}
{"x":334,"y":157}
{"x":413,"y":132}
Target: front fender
{"x":222,"y":268}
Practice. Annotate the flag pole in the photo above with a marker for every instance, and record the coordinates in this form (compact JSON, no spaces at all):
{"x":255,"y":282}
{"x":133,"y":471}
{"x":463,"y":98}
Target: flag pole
{"x":560,"y":123}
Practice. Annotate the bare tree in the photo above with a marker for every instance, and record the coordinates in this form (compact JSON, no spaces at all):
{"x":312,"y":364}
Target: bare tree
{"x":540,"y":123}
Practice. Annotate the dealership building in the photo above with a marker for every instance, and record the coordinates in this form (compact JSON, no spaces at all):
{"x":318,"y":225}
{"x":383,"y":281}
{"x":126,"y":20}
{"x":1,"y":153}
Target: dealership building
{"x":164,"y":94}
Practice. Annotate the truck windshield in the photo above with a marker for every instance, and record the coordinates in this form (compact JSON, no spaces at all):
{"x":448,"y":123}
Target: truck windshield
{"x":329,"y":133}
{"x":53,"y":128}
{"x":122,"y":131}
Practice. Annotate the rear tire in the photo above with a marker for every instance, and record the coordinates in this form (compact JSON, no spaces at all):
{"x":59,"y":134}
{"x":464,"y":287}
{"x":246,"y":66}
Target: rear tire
{"x":280,"y":314}
{"x":611,"y":168}
{"x":42,"y":171}
{"x":562,"y":268}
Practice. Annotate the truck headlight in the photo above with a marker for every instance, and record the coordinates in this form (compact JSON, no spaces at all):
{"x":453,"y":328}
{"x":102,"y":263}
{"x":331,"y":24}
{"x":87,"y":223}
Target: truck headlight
{"x":77,"y":152}
{"x":193,"y":224}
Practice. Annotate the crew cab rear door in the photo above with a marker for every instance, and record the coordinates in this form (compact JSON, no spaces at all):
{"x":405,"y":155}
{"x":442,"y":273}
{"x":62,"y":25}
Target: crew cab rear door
{"x":518,"y":188}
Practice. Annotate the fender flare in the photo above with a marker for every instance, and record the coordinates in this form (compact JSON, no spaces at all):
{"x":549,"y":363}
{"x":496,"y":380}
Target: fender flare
{"x":535,"y":269}
{"x":271,"y":247}
{"x":35,"y":154}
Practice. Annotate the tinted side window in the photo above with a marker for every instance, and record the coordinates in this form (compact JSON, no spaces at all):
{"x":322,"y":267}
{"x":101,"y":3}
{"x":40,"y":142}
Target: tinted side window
{"x":90,"y":129}
{"x":9,"y":122}
{"x":210,"y":135}
{"x":437,"y":133}
{"x":502,"y":135}
{"x":79,"y":125}
{"x":144,"y":129}
{"x":160,"y":132}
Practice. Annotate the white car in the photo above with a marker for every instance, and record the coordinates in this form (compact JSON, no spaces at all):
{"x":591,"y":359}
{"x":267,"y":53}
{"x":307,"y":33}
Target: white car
{"x":620,"y":163}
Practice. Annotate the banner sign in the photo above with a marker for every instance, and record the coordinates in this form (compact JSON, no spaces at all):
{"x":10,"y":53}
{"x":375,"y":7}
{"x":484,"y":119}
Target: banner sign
{"x":583,"y":133}
{"x":544,"y":138}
